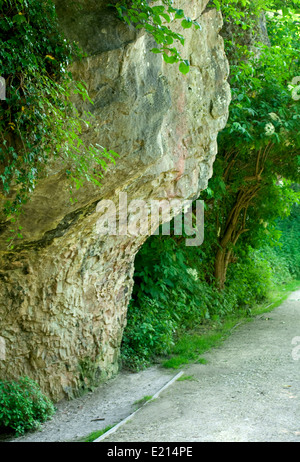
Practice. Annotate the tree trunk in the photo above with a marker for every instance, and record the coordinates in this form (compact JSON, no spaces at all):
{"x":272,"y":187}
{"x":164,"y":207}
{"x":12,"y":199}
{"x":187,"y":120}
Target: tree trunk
{"x":220,"y":271}
{"x":236,"y":220}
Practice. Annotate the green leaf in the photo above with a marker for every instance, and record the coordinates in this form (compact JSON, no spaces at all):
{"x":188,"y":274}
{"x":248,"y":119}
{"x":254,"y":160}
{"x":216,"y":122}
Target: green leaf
{"x":169,"y":59}
{"x":184,"y":67}
{"x":18,"y":19}
{"x":179,"y":14}
{"x":166,"y":17}
{"x":143,"y":16}
{"x":285,"y":11}
{"x":187,"y":23}
{"x":156,"y":50}
{"x":158,"y":9}
{"x":170,"y":39}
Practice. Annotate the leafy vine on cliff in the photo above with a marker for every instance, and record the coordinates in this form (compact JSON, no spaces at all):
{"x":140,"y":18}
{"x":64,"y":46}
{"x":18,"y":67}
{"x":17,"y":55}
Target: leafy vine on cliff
{"x":38,"y":121}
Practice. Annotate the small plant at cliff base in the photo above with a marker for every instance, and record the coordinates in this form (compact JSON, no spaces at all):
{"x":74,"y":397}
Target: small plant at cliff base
{"x":94,"y":435}
{"x":23,"y":406}
{"x":156,"y":20}
{"x":38,"y":121}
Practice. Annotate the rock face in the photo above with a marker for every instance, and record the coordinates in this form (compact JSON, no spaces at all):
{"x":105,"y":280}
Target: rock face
{"x":64,"y":289}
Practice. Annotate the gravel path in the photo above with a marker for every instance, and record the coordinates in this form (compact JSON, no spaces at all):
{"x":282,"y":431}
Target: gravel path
{"x":248,"y":391}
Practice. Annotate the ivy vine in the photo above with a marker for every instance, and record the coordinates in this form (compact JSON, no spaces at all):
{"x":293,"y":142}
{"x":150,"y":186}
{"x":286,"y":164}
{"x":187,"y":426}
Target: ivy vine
{"x":38,"y":121}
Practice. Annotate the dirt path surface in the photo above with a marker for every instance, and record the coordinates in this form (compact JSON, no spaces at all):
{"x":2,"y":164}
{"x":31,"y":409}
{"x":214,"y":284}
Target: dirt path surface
{"x":248,"y":391}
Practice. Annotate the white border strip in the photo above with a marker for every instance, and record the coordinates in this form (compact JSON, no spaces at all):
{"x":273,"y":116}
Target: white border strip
{"x":112,"y":430}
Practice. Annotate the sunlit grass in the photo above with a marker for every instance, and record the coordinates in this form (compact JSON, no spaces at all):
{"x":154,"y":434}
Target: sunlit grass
{"x":190,"y":346}
{"x":142,"y":401}
{"x":186,"y":377}
{"x":94,"y":435}
{"x":277,"y":296}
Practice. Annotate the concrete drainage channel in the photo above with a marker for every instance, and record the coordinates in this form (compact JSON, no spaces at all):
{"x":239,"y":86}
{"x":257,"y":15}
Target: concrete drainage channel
{"x":116,"y":427}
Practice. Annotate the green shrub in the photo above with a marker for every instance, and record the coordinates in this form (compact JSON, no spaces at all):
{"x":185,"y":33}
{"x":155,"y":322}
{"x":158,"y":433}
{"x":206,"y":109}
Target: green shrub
{"x":149,"y":331}
{"x":250,"y":279}
{"x":170,"y":296}
{"x":279,"y":264}
{"x":23,"y":406}
{"x":289,"y":250}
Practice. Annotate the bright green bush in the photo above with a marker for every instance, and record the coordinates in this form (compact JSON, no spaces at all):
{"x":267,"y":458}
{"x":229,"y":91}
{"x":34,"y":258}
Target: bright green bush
{"x":149,"y":332}
{"x":250,"y":279}
{"x":23,"y":406}
{"x":170,"y":296}
{"x":289,"y":250}
{"x":279,"y":265}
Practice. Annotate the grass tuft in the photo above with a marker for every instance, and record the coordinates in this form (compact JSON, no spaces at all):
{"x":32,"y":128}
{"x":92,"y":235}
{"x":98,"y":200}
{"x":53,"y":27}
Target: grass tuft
{"x":186,"y":377}
{"x":94,"y":435}
{"x":142,"y":401}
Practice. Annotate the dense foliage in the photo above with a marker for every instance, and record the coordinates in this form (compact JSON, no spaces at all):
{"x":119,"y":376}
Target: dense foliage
{"x":259,"y":148}
{"x":22,"y":406}
{"x":289,"y":249}
{"x":174,"y":292}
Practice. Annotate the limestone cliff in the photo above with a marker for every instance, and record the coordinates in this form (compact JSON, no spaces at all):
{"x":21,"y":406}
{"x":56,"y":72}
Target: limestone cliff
{"x":64,"y":289}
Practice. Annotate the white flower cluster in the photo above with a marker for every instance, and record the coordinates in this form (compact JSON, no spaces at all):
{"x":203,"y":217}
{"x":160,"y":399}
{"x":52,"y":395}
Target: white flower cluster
{"x":269,"y":129}
{"x":274,"y":117}
{"x":193,"y":272}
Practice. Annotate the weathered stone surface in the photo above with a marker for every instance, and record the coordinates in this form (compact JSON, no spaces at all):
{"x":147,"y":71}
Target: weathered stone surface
{"x":64,"y":289}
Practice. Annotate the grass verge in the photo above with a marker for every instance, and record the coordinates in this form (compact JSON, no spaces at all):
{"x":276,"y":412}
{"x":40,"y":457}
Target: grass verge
{"x":140,"y":402}
{"x":191,"y":345}
{"x":94,"y":435}
{"x":183,"y":378}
